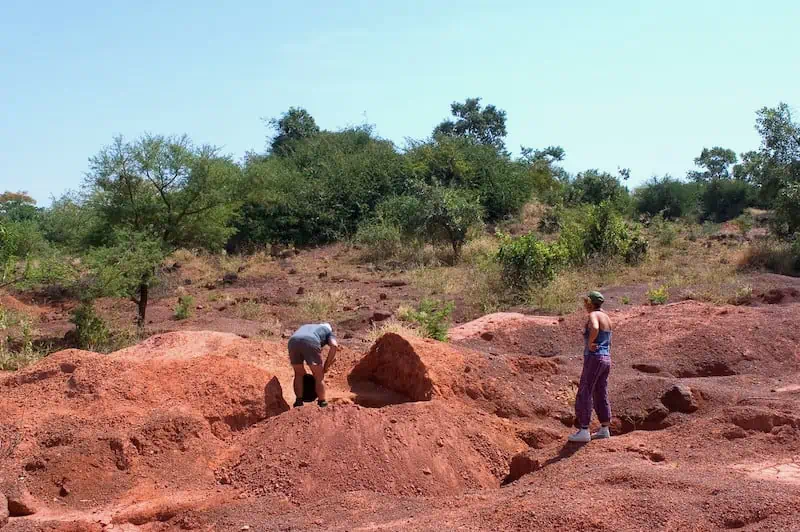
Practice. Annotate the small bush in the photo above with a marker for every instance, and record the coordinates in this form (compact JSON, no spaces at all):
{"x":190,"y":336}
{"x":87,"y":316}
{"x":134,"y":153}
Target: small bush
{"x":184,"y":308}
{"x":606,"y":235}
{"x":725,"y":199}
{"x":528,"y":261}
{"x":668,"y":197}
{"x":382,"y":240}
{"x":625,"y":300}
{"x":658,"y":296}
{"x":637,"y":249}
{"x":665,"y":231}
{"x":552,"y":221}
{"x":432,"y":317}
{"x":91,"y":331}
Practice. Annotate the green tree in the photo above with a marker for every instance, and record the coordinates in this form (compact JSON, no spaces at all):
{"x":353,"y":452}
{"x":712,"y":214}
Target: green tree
{"x":321,"y":191}
{"x":777,"y":162}
{"x":503,"y":185}
{"x":594,"y":187}
{"x":294,"y":125}
{"x":787,"y":210}
{"x":432,"y":214}
{"x":452,"y":214}
{"x":484,"y":125}
{"x":17,"y":206}
{"x":716,"y":164}
{"x":166,"y":192}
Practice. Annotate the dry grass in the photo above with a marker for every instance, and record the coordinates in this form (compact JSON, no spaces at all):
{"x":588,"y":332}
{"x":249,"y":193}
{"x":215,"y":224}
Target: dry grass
{"x":271,"y":327}
{"x":202,"y":267}
{"x":318,"y":306}
{"x":479,"y":286}
{"x":260,"y":266}
{"x":391,"y":326}
{"x":770,"y":255}
{"x":251,"y":310}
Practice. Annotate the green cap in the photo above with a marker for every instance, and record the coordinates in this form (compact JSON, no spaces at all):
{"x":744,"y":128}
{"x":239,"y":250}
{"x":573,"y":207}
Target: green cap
{"x":596,"y":296}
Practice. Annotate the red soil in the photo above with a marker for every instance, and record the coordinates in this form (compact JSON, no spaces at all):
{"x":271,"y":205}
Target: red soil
{"x":191,"y":431}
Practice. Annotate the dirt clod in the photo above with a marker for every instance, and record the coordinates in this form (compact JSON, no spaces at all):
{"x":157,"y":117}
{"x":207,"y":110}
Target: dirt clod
{"x":680,"y":398}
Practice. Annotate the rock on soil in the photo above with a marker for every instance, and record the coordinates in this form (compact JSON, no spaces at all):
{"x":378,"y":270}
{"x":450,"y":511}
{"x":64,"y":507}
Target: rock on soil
{"x":680,"y":398}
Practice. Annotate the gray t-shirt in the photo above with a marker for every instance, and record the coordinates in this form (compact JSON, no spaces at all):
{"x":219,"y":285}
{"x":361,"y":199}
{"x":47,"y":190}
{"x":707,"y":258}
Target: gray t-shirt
{"x":318,"y":334}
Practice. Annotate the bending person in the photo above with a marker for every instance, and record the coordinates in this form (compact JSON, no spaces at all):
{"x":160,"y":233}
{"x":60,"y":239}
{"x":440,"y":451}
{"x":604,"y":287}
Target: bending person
{"x":593,"y":388}
{"x":305,"y":346}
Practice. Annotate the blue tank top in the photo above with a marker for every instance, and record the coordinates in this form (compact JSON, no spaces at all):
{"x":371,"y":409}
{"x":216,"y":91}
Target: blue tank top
{"x":603,"y":342}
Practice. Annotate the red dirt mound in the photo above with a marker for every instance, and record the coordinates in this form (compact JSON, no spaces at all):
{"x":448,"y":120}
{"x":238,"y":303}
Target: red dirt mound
{"x":106,"y":428}
{"x":426,"y":448}
{"x":418,"y":370}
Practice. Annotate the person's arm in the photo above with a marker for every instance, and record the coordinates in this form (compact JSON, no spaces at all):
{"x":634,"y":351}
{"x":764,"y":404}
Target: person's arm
{"x":594,"y":330}
{"x":333,"y":347}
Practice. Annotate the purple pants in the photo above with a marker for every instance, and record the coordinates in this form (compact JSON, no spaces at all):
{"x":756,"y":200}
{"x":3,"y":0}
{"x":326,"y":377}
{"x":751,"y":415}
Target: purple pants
{"x":593,"y":389}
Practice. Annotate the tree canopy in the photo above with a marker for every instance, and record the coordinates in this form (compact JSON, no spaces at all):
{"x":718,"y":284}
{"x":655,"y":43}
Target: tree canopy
{"x":484,"y":125}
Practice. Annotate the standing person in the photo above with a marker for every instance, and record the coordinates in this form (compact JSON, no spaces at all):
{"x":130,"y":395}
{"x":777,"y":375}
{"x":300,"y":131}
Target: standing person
{"x":305,"y":346}
{"x":593,"y":388}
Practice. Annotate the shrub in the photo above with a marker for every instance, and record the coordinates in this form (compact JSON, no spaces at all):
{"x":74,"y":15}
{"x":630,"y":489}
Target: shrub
{"x":435,"y":214}
{"x":183,"y":310}
{"x":787,"y":210}
{"x":452,"y":214}
{"x":606,"y":234}
{"x":669,"y":197}
{"x":637,"y":249}
{"x":91,"y":331}
{"x":433,"y":317}
{"x":552,"y":221}
{"x":665,"y":231}
{"x":594,"y":187}
{"x":381,"y":239}
{"x":658,"y":296}
{"x":625,"y":300}
{"x":527,"y":261}
{"x":725,"y":199}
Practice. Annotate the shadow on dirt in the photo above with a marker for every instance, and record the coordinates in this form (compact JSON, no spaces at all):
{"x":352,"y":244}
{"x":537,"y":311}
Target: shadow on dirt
{"x":525,"y":463}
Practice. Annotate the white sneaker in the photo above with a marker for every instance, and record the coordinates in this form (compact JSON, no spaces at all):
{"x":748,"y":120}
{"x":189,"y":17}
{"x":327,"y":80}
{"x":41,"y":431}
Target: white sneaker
{"x":582,"y":436}
{"x":601,"y":434}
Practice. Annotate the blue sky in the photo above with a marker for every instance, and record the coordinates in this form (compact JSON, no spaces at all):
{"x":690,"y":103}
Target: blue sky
{"x":635,"y":84}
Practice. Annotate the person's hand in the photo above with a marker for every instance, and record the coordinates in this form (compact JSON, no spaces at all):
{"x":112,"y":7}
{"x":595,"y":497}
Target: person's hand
{"x":593,"y":348}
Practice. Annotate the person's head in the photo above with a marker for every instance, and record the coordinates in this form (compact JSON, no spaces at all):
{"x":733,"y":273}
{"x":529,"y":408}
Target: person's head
{"x":593,"y":301}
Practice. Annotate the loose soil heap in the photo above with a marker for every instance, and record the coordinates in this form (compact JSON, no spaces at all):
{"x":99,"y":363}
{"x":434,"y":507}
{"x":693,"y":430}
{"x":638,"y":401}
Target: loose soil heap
{"x":192,"y":431}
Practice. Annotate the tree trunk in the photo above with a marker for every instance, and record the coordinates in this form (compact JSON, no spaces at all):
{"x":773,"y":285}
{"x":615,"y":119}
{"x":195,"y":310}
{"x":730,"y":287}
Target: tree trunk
{"x":142,"y":302}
